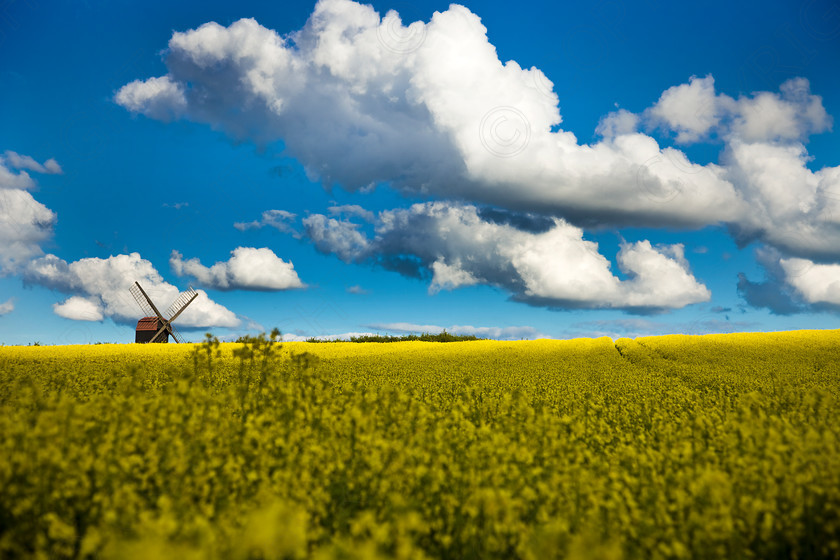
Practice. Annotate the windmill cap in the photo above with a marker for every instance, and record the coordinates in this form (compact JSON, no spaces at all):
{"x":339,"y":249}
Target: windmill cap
{"x":148,"y":324}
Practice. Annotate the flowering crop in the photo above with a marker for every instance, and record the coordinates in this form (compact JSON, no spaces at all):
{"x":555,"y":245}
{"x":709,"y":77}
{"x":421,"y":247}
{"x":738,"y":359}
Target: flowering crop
{"x":722,"y":446}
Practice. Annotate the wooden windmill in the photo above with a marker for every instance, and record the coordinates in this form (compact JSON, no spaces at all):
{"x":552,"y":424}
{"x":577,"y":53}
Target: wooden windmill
{"x":153,"y":327}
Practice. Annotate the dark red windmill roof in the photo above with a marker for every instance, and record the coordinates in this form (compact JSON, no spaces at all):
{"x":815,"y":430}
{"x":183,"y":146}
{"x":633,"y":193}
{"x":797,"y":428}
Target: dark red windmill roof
{"x":148,"y":324}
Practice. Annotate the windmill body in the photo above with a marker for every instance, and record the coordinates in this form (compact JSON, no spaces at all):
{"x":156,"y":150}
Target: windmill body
{"x":154,"y":327}
{"x":147,"y":327}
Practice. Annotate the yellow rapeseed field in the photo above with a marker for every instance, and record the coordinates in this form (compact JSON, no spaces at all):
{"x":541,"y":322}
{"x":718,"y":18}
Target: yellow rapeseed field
{"x":720,"y":446}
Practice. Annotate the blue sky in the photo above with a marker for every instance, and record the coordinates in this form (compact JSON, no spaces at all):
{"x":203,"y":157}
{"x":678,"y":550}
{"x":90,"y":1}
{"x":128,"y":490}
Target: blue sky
{"x":508,"y":170}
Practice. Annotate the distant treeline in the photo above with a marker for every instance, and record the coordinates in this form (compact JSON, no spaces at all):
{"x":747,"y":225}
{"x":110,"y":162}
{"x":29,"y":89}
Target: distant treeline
{"x":425,"y":337}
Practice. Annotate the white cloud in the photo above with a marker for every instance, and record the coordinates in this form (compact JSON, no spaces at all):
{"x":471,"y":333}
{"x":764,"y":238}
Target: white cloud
{"x":159,"y":98}
{"x":449,"y":277}
{"x":618,"y":123}
{"x":342,"y":238}
{"x":18,"y":161}
{"x":14,"y":181}
{"x":694,"y":110}
{"x":774,"y":292}
{"x":494,"y":333}
{"x":630,"y":327}
{"x":352,"y":210}
{"x":691,"y":109}
{"x":816,"y":283}
{"x":278,"y":219}
{"x":793,"y":114}
{"x":792,"y":208}
{"x":79,"y":309}
{"x":176,"y":205}
{"x":248,"y":269}
{"x":555,"y":267}
{"x":792,"y":285}
{"x":25,"y":223}
{"x":498,"y":333}
{"x":357,"y":290}
{"x":100,"y":288}
{"x":7,"y":307}
{"x":291,"y":337}
{"x":787,"y":205}
{"x":409,"y":328}
{"x":447,"y":118}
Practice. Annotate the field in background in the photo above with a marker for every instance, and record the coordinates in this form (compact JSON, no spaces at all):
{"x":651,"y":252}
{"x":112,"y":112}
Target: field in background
{"x":721,"y":446}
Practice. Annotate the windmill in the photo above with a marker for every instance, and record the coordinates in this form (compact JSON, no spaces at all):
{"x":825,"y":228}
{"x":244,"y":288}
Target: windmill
{"x":153,"y":327}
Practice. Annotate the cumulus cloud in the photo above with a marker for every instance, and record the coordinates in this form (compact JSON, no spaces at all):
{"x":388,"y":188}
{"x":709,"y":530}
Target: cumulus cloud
{"x":442,"y":116}
{"x":357,"y":290}
{"x":618,"y":123}
{"x":159,"y":98}
{"x":352,"y":210}
{"x":79,"y":308}
{"x":450,"y":276}
{"x":792,"y":285}
{"x":447,"y":118}
{"x":815,"y":283}
{"x":790,"y":207}
{"x":18,"y":161}
{"x":769,"y":294}
{"x":792,"y":114}
{"x":787,"y":206}
{"x":339,"y":237}
{"x":25,"y":223}
{"x":556,"y":267}
{"x":247,"y":269}
{"x":793,"y":209}
{"x":695,"y":111}
{"x":691,"y":110}
{"x":9,"y":180}
{"x":99,"y":288}
{"x":7,"y":307}
{"x":278,"y":219}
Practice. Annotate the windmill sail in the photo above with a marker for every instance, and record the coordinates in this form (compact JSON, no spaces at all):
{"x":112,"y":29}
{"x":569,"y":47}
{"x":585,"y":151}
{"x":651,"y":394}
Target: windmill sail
{"x":143,"y":300}
{"x":164,"y":326}
{"x":175,"y":334}
{"x":181,"y":303}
